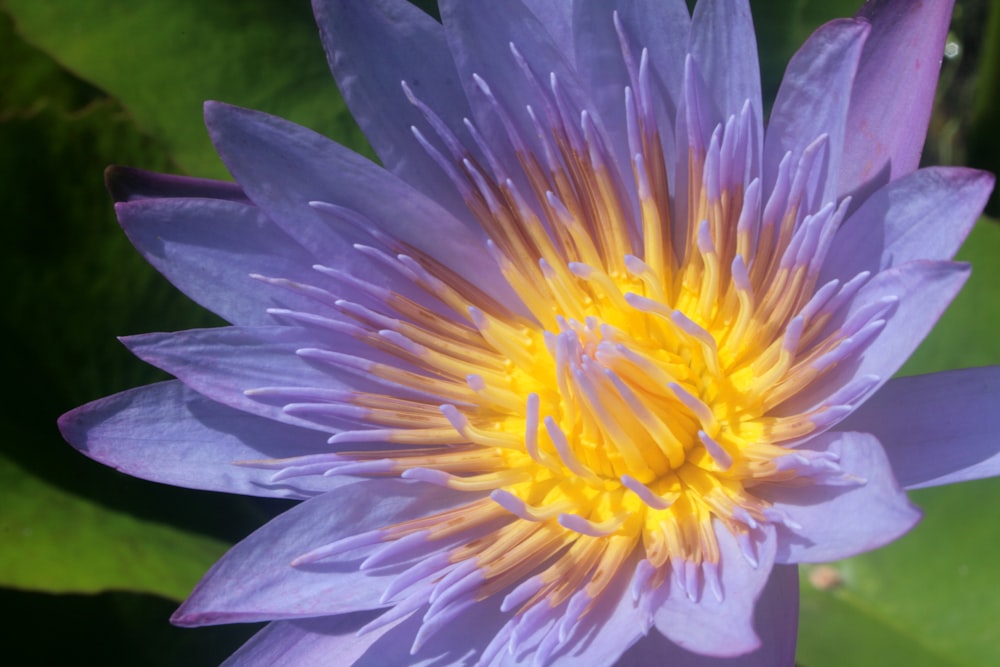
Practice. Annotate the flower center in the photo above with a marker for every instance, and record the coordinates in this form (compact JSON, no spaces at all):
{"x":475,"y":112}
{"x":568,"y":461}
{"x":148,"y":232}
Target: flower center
{"x":626,"y":416}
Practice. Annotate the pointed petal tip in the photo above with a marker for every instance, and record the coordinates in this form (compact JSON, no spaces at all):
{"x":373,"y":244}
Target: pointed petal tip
{"x":215,"y":112}
{"x":211,"y":107}
{"x":977,"y":184}
{"x":77,"y":428}
{"x":200,"y":611}
{"x":183,"y":618}
{"x":71,"y":429}
{"x":131,"y":340}
{"x":985,"y":179}
{"x":196,"y":612}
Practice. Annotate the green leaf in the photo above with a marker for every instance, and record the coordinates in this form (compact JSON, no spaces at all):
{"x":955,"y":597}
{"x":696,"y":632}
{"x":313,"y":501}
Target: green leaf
{"x":927,"y":599}
{"x":966,"y":335}
{"x":163,"y":59}
{"x":61,"y":543}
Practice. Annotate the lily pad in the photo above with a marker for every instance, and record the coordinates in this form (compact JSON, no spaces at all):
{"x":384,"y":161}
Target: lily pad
{"x":58,"y":542}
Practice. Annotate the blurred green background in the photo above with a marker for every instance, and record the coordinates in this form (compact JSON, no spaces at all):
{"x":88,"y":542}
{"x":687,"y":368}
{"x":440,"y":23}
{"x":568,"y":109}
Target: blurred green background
{"x":92,"y":562}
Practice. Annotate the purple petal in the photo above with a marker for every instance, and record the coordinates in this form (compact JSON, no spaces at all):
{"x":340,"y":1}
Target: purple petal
{"x":458,"y":644}
{"x":776,"y":620}
{"x":924,"y":290}
{"x":614,"y":624}
{"x":411,"y":48}
{"x":714,"y":628}
{"x":208,"y":248}
{"x":224,"y":363}
{"x":842,"y":519}
{"x":283,"y":167}
{"x":480,"y":35}
{"x":255,"y":581}
{"x":696,"y":121}
{"x":924,"y":215}
{"x":309,"y":641}
{"x":557,"y":17}
{"x":813,"y":99}
{"x":663,"y":27}
{"x":893,"y":91}
{"x":725,"y":46}
{"x":128,"y":184}
{"x":322,"y":641}
{"x":939,"y":428}
{"x":601,"y":68}
{"x":167,"y":433}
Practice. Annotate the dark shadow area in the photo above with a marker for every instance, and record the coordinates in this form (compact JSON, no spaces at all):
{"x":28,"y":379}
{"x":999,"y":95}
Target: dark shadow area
{"x":108,"y":629}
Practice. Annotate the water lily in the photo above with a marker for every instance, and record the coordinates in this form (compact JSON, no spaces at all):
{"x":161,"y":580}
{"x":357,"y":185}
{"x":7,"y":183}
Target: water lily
{"x":589,"y":364}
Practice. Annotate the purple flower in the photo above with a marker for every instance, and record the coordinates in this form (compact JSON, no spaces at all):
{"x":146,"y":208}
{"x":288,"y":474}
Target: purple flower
{"x":590,"y":365}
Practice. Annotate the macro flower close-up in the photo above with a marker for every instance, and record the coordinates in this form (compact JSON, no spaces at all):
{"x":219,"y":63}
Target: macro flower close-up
{"x":596,"y":355}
